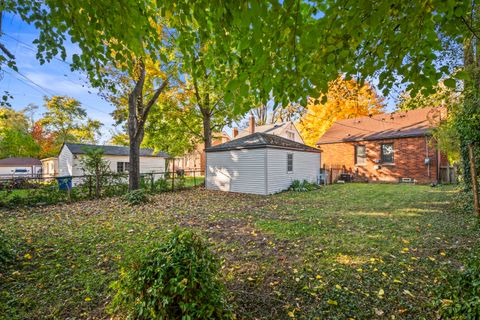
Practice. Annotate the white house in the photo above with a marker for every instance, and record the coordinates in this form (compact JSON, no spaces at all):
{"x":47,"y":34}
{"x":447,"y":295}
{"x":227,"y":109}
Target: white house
{"x":286,"y":130}
{"x":49,"y":167}
{"x":260,"y":163}
{"x":69,"y":159}
{"x":20,"y":167}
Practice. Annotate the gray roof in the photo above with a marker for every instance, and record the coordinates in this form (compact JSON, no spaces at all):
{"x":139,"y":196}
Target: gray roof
{"x":16,"y":161}
{"x":262,"y":140}
{"x":80,"y":148}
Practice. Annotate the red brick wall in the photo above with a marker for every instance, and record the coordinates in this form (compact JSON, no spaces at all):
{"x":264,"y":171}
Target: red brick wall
{"x":409,"y":160}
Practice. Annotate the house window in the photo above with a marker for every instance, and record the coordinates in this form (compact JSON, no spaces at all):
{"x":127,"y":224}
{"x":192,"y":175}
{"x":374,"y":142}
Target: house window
{"x":387,"y":152}
{"x":290,"y":135}
{"x":360,"y":155}
{"x":289,"y":162}
{"x":123,"y":166}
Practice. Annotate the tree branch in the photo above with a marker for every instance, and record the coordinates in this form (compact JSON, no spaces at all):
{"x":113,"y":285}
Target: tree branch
{"x":470,"y":28}
{"x":6,"y":51}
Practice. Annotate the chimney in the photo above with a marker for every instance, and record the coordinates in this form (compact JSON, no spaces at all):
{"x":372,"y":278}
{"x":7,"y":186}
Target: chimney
{"x":235,"y":132}
{"x":251,"y":124}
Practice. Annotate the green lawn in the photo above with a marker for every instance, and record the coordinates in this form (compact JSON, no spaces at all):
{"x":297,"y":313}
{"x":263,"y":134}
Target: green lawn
{"x":359,"y":251}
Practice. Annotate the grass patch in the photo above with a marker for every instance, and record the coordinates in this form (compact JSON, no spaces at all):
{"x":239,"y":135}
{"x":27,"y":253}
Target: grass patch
{"x":356,"y":250}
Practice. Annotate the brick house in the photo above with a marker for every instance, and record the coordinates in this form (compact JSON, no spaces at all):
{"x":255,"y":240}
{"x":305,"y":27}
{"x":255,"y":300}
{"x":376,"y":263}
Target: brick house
{"x":386,"y":148}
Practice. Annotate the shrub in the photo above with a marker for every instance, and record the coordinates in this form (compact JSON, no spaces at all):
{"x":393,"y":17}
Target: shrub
{"x":180,"y":182}
{"x":161,"y":185}
{"x":460,"y":297}
{"x":136,"y":197}
{"x":302,"y":186}
{"x":7,"y":254}
{"x":178,"y":279}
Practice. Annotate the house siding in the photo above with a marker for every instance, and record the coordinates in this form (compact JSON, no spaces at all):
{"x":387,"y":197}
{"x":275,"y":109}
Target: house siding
{"x":71,"y":165}
{"x":237,"y":171}
{"x":409,"y":159}
{"x":306,"y":166}
{"x":65,"y":162}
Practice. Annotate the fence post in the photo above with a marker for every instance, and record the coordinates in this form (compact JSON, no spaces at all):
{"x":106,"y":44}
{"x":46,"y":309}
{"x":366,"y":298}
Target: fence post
{"x":194,"y":179}
{"x":90,"y":187}
{"x":173,"y":175}
{"x":152,"y":185}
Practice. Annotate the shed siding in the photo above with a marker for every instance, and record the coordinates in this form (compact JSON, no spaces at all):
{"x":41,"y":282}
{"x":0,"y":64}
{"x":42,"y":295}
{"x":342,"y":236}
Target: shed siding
{"x":237,"y":171}
{"x":306,"y":166}
{"x":65,"y":162}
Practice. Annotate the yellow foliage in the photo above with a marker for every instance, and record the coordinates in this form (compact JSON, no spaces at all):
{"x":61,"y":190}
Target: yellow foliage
{"x":345,"y":99}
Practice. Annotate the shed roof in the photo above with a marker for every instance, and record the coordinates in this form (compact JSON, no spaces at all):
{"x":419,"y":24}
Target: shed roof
{"x":399,"y":124}
{"x":262,"y":140}
{"x":80,"y":148}
{"x":12,"y":162}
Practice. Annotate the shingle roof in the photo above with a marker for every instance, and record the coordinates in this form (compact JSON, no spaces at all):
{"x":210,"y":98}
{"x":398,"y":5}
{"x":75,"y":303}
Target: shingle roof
{"x":400,"y":124}
{"x":7,"y":162}
{"x":80,"y":148}
{"x":261,"y":140}
{"x":267,"y":128}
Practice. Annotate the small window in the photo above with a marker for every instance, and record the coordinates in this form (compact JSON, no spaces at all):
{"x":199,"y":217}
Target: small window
{"x":21,"y":170}
{"x":360,"y":155}
{"x":387,"y":152}
{"x":290,"y":135}
{"x":123,"y":166}
{"x":289,"y":162}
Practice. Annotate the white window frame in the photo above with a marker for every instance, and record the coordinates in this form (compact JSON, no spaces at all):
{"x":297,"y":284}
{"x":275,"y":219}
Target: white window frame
{"x":289,"y":165}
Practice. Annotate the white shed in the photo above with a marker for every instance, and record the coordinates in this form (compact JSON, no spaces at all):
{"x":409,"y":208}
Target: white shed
{"x":69,"y":159}
{"x":260,"y":163}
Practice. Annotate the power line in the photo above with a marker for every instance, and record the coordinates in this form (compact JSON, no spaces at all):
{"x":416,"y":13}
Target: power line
{"x":29,"y":47}
{"x":46,"y":91}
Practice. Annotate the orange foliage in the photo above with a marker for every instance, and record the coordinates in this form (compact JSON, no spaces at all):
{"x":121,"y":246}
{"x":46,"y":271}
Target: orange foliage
{"x":345,"y":99}
{"x":45,"y":140}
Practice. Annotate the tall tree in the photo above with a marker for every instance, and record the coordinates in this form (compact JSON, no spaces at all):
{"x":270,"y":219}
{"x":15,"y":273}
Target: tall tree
{"x":15,"y":137}
{"x":345,"y":99}
{"x":65,"y":119}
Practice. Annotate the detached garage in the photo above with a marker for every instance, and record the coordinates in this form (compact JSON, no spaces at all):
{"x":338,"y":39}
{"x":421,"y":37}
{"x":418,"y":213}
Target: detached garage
{"x":260,"y":163}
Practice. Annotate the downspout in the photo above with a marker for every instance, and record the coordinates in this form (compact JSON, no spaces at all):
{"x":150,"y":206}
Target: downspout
{"x":426,"y":150}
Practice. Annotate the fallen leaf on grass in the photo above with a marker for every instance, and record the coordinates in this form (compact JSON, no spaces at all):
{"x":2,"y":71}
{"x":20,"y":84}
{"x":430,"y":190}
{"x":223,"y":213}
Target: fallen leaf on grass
{"x":332,"y":302}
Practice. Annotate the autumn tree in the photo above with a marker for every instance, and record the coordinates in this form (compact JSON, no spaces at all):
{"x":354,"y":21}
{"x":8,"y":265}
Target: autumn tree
{"x":345,"y":99}
{"x":45,"y":140}
{"x":15,"y":137}
{"x":67,"y":121}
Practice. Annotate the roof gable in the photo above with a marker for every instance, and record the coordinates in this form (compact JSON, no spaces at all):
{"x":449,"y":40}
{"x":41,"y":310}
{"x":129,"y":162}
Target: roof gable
{"x":79,"y":148}
{"x":267,"y":128}
{"x":262,"y":140}
{"x":399,"y":124}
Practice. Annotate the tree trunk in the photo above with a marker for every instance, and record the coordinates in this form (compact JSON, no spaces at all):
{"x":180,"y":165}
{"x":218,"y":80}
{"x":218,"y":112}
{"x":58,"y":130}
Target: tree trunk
{"x":137,"y":117}
{"x":207,"y":129}
{"x":134,"y":165}
{"x":473,"y":174}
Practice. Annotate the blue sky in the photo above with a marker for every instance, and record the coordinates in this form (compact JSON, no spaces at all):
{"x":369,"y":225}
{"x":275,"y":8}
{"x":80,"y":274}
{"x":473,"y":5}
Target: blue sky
{"x":55,"y":78}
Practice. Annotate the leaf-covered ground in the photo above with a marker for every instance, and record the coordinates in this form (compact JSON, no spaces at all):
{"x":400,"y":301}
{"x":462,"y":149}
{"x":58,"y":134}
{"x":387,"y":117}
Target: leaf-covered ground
{"x":360,"y":251}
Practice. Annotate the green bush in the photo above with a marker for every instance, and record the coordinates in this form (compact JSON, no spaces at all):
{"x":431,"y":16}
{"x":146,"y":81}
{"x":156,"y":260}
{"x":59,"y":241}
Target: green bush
{"x":302,"y":186}
{"x":180,"y":182}
{"x":162,"y":185}
{"x":460,"y":297}
{"x":7,"y":254}
{"x":136,"y":197}
{"x":178,"y":279}
{"x":463,"y":200}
